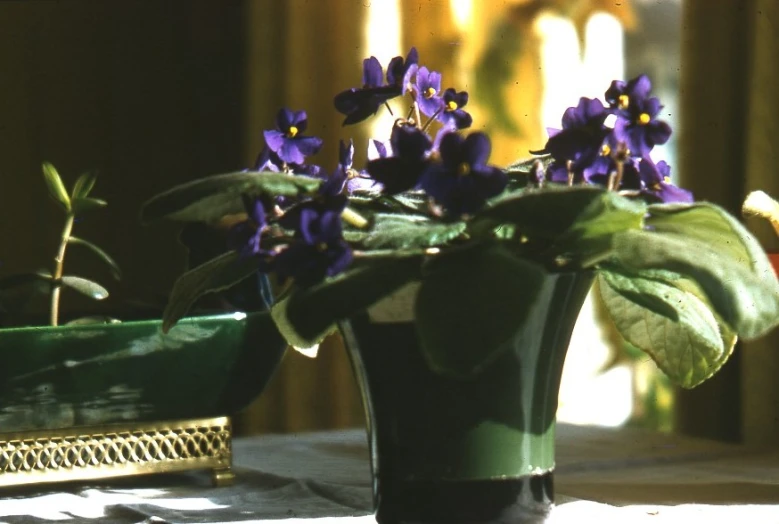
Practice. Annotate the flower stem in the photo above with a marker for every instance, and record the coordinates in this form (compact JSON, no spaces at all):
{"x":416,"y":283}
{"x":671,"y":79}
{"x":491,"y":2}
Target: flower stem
{"x":430,"y":120}
{"x":386,"y":104}
{"x":59,"y":263}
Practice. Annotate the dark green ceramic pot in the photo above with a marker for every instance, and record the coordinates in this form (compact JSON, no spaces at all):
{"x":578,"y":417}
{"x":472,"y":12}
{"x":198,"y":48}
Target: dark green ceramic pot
{"x":479,"y":450}
{"x":60,"y":377}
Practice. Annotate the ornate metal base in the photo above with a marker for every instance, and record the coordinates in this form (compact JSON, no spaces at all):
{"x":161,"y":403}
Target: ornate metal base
{"x":117,"y":450}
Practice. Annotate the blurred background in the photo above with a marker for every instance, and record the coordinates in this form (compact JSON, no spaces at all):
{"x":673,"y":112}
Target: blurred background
{"x":155,"y":93}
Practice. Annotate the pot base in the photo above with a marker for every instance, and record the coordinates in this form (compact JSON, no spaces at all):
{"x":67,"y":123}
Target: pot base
{"x":523,"y":500}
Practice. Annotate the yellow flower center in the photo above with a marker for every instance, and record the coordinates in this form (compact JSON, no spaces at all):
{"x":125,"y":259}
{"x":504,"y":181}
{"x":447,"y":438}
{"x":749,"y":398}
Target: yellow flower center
{"x":321,"y":247}
{"x":429,"y":92}
{"x":451,"y":105}
{"x":292,"y":131}
{"x":623,"y":101}
{"x":464,"y":169}
{"x":644,"y":118}
{"x":667,"y":179}
{"x":605,"y":150}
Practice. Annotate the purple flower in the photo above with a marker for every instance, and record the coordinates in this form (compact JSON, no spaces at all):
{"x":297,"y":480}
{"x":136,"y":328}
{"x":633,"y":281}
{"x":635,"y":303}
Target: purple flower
{"x":360,"y":103}
{"x":401,"y":172}
{"x":454,"y":116}
{"x":463,"y":181}
{"x":620,"y":94}
{"x":287,"y":141}
{"x":637,"y":126}
{"x":245,"y":236}
{"x":656,"y":179}
{"x":581,"y":138}
{"x":319,"y":249}
{"x":428,"y":92}
{"x":642,"y":131}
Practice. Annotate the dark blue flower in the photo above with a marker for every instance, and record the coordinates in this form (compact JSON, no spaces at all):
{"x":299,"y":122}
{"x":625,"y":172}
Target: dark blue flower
{"x":245,"y":236}
{"x":454,"y":116}
{"x":360,"y":103}
{"x":428,"y":92}
{"x":401,"y":172}
{"x":462,"y":181}
{"x":642,"y":131}
{"x":287,"y":141}
{"x":319,"y":249}
{"x":656,"y":180}
{"x":637,"y":125}
{"x":621,"y":95}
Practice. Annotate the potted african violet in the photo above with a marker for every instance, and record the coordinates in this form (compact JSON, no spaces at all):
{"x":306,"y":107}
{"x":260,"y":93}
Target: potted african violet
{"x":95,"y":370}
{"x":456,"y":284}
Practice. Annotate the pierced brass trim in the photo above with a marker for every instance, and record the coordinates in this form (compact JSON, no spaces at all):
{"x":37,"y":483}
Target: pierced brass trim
{"x":98,"y":452}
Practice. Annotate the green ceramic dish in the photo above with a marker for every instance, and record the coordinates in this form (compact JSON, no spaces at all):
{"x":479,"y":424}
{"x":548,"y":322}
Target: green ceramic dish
{"x":59,"y":377}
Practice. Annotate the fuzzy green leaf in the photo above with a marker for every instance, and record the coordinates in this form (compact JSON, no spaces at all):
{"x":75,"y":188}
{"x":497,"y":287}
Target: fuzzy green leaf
{"x":746,"y":300}
{"x":673,"y":326}
{"x":560,"y":207}
{"x":470,"y":306}
{"x":210,"y":198}
{"x":85,"y":287}
{"x":55,"y":185}
{"x":306,"y":316}
{"x":215,"y":275}
{"x":721,"y":231}
{"x":84,"y":185}
{"x":409,"y":232}
{"x":105,"y":257}
{"x":84,"y":204}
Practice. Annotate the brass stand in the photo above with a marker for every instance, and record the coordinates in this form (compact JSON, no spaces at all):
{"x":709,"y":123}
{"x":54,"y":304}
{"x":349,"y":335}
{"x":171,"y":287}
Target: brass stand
{"x":117,"y":450}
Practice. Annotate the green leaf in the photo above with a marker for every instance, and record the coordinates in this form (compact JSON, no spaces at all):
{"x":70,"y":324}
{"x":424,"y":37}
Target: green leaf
{"x":409,"y":231}
{"x":471,"y":305}
{"x":593,"y":229}
{"x":721,"y":231}
{"x":105,"y":257}
{"x":547,"y":212}
{"x":84,"y":204}
{"x":55,"y":185}
{"x":306,"y":316}
{"x":215,"y":275}
{"x":84,"y":185}
{"x":85,"y":287}
{"x":213,"y":197}
{"x":745,"y":300}
{"x":673,"y":326}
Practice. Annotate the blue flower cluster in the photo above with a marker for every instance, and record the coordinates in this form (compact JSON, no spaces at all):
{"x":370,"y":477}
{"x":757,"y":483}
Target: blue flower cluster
{"x":611,"y":144}
{"x":601,"y":144}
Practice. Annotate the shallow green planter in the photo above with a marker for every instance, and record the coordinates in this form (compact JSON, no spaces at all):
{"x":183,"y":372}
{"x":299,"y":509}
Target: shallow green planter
{"x":454,"y":451}
{"x":70,"y":376}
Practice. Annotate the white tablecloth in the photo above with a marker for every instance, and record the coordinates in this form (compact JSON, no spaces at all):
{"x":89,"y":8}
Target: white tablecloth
{"x":603,"y":476}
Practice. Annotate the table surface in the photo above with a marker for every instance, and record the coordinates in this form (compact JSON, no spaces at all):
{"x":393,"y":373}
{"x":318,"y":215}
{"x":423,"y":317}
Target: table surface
{"x":603,"y":475}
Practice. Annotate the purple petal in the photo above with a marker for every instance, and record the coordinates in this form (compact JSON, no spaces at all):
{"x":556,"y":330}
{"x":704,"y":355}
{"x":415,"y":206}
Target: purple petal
{"x":274,"y":139}
{"x":378,"y":149}
{"x":285,"y":119}
{"x":372,"y":75}
{"x":340,"y":257}
{"x":346,"y":153}
{"x":307,"y":145}
{"x":290,"y":153}
{"x":451,"y":150}
{"x":639,"y":87}
{"x":476,"y":149}
{"x":300,"y":121}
